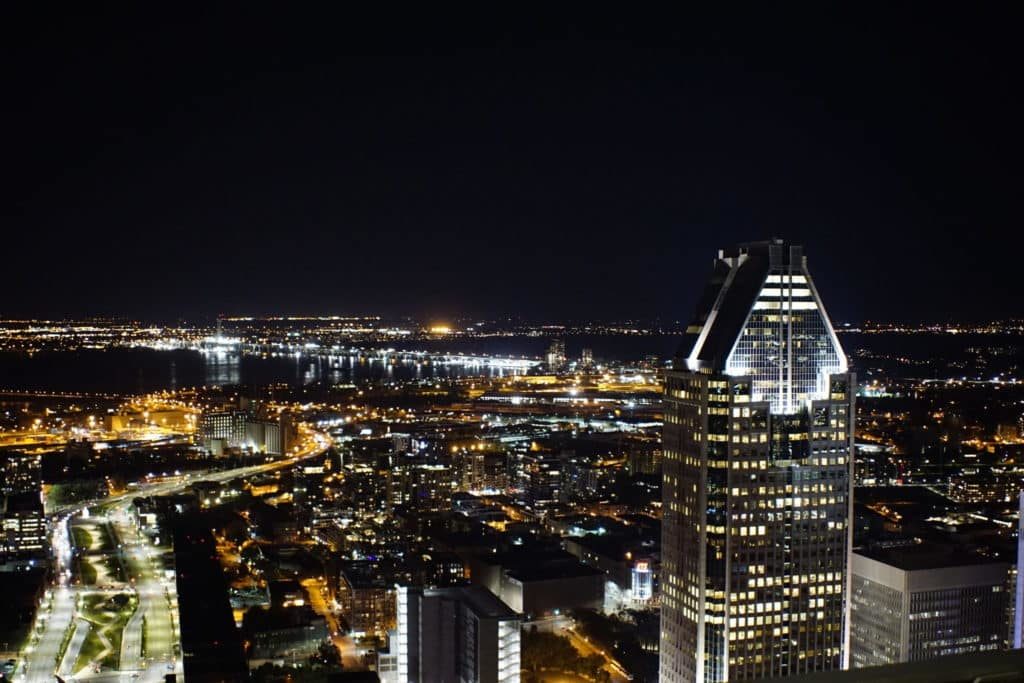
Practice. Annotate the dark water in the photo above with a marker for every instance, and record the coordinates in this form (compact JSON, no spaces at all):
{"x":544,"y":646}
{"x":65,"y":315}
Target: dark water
{"x":139,"y":370}
{"x":618,"y":347}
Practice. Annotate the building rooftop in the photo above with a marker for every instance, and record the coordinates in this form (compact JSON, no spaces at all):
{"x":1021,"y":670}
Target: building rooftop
{"x":922,"y":556}
{"x":23,"y":502}
{"x":480,"y":600}
{"x":996,"y":666}
{"x":554,"y":570}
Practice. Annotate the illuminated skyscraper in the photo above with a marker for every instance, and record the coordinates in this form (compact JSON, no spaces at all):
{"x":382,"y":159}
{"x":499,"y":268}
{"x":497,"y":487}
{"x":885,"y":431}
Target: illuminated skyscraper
{"x":758,"y":445}
{"x":555,"y":356}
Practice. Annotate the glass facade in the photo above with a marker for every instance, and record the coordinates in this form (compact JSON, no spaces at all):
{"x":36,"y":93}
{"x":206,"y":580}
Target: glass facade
{"x":787,"y":346}
{"x":757,"y":471}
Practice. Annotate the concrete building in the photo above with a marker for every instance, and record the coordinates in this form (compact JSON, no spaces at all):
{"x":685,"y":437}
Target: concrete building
{"x":264,"y":436}
{"x":555,"y":356}
{"x":453,"y":635}
{"x":538,"y":584}
{"x":367,"y":599}
{"x":758,"y":443}
{"x":479,"y":470}
{"x":291,"y":634}
{"x":915,"y":603}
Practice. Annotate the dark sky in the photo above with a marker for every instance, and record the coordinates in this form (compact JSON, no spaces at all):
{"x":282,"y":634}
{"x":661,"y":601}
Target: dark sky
{"x":173,"y":163}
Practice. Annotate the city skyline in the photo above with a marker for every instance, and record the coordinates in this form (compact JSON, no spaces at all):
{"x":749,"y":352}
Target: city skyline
{"x":482,"y":346}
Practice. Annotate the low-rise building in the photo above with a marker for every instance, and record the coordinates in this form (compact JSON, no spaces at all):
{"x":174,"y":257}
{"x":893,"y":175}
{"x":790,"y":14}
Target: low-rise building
{"x":292,"y":633}
{"x":914,"y":603}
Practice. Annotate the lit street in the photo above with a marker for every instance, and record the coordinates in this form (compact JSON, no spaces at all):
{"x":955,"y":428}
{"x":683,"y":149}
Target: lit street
{"x":150,"y":640}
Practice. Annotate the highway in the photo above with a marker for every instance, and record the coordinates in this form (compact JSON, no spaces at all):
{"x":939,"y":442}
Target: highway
{"x":143,"y":564}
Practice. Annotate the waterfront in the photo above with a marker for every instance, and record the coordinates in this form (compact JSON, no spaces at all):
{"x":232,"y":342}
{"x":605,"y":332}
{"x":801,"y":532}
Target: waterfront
{"x":138,"y":370}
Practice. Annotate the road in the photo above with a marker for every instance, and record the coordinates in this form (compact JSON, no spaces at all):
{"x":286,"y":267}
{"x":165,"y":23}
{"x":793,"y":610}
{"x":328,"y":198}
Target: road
{"x":157,"y":610}
{"x":585,"y":647}
{"x":42,"y":658}
{"x":350,"y":657}
{"x":565,"y":626}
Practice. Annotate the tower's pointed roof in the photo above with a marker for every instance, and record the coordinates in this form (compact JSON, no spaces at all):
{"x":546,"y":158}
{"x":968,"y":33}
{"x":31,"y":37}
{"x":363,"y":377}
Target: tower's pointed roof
{"x":761,"y":316}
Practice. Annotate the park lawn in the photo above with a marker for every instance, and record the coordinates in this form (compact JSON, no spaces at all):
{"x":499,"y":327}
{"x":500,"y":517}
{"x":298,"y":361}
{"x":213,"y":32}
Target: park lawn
{"x":87,"y":532}
{"x":114,"y":568}
{"x":86,"y":572}
{"x":91,"y":647}
{"x":109,"y":537}
{"x":82,"y":537}
{"x":110,"y":619}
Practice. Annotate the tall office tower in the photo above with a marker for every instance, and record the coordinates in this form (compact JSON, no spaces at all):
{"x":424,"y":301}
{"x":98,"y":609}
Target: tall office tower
{"x":758,"y":444}
{"x":454,"y":635}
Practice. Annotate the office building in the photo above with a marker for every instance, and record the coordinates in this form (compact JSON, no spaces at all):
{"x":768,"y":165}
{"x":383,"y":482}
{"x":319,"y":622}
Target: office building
{"x":227,"y":427}
{"x":758,"y":441}
{"x":909,"y":604}
{"x":542,"y":481}
{"x":21,"y":473}
{"x":24,"y":525}
{"x":453,"y":635}
{"x":479,"y":470}
{"x":538,"y":584}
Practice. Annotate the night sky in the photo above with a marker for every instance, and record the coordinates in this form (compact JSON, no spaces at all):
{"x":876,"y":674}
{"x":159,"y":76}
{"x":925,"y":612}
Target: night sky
{"x":167,"y":163}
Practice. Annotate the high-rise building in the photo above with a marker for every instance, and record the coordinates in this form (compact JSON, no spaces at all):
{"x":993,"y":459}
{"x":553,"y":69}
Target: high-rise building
{"x":21,"y":473}
{"x":555,"y":356}
{"x":758,"y":444}
{"x":454,"y":635}
{"x":909,"y":604}
{"x":542,"y":489}
{"x":479,"y":470}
